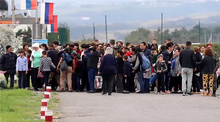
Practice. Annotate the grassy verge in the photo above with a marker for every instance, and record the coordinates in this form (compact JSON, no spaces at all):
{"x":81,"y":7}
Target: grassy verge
{"x":23,"y":105}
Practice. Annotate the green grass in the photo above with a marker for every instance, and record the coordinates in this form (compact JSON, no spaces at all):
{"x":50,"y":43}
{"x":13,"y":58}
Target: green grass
{"x":19,"y":105}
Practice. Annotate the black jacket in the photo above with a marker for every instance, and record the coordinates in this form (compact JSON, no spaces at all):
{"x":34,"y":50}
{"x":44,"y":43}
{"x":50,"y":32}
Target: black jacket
{"x":127,"y":68}
{"x":160,"y":66}
{"x":120,"y":65}
{"x":187,"y":58}
{"x":79,"y":67}
{"x":208,"y":65}
{"x":93,"y":59}
{"x":53,"y":54}
{"x":198,"y":60}
{"x":8,"y":62}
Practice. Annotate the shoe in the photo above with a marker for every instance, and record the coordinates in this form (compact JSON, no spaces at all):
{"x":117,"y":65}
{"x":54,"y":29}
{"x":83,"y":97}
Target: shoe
{"x":210,"y":93}
{"x":104,"y":93}
{"x":109,"y":94}
{"x":214,"y":95}
{"x":204,"y":93}
{"x":161,"y":93}
{"x":36,"y":89}
{"x":60,"y":90}
{"x":189,"y":94}
{"x":140,"y":92}
{"x":168,"y":92}
{"x":91,"y":91}
{"x":184,"y":94}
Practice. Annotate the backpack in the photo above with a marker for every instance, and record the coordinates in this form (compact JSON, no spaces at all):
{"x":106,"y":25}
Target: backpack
{"x":145,"y":62}
{"x":67,"y":57}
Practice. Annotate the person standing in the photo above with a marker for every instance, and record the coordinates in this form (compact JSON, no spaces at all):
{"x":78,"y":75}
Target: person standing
{"x":78,"y":73}
{"x":85,"y":84}
{"x":53,"y":54}
{"x":216,"y":68}
{"x":146,"y":51}
{"x":188,"y":63}
{"x":119,"y":77}
{"x":66,"y":56}
{"x":25,"y":48}
{"x":127,"y":73}
{"x":35,"y":59}
{"x":108,"y":70}
{"x":208,"y":67}
{"x":8,"y":64}
{"x":93,"y":58}
{"x":28,"y":55}
{"x":22,"y":69}
{"x":45,"y":67}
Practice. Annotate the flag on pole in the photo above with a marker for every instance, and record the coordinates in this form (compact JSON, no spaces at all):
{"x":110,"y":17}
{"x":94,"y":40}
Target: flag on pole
{"x":28,"y":4}
{"x":54,"y":27}
{"x":46,"y":13}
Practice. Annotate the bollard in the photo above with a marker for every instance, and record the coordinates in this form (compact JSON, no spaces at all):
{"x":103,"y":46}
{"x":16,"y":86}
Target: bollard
{"x":47,"y":96}
{"x":48,"y":116}
{"x":48,"y":88}
{"x":43,"y":109}
{"x":44,"y":102}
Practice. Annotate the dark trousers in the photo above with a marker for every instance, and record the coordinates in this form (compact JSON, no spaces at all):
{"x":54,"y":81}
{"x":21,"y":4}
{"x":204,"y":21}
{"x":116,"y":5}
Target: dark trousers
{"x":108,"y":83}
{"x":35,"y":81}
{"x":78,"y":78}
{"x":146,"y":84}
{"x":126,"y":84}
{"x":85,"y":83}
{"x":119,"y":82}
{"x":160,"y":79}
{"x":201,"y":81}
{"x":175,"y":82}
{"x":131,"y":82}
{"x":22,"y":79}
{"x":73,"y":81}
{"x":46,"y":75}
{"x":195,"y":83}
{"x":11,"y":78}
{"x":167,"y":81}
{"x":28,"y":75}
{"x":91,"y":77}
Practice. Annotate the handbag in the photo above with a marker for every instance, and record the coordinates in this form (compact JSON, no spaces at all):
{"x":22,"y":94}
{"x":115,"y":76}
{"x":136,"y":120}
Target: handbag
{"x":98,"y":82}
{"x":39,"y":75}
{"x":63,"y":66}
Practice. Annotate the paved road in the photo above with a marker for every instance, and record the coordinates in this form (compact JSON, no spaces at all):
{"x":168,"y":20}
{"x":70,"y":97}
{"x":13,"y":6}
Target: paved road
{"x":83,"y":107}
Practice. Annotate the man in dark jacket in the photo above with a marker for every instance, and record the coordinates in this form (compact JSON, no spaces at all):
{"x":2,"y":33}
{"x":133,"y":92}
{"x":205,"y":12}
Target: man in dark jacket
{"x":146,"y":51}
{"x":53,"y":54}
{"x":8,"y":64}
{"x":93,"y":58}
{"x":188,"y":63}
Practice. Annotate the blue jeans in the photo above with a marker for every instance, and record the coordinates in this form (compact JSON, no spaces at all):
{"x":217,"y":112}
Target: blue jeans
{"x":141,"y":80}
{"x":78,"y":78}
{"x":91,"y":77}
{"x":146,"y":84}
{"x":153,"y":79}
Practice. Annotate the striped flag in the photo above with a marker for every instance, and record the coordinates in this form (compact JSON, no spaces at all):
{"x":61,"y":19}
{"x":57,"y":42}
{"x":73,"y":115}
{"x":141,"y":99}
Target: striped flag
{"x":46,"y":13}
{"x":54,"y":27}
{"x":28,"y":4}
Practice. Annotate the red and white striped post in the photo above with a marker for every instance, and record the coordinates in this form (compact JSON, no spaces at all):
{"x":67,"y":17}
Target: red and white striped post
{"x":48,"y":116}
{"x":43,"y":109}
{"x":48,"y":88}
{"x":47,"y":96}
{"x":44,"y":102}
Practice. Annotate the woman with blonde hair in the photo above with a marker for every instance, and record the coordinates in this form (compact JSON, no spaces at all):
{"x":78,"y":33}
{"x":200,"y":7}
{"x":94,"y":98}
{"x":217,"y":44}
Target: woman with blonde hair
{"x":108,"y":70}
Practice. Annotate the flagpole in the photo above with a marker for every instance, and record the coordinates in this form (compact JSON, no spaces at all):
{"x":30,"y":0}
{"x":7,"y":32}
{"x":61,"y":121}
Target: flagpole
{"x":106,"y":29}
{"x":44,"y":34}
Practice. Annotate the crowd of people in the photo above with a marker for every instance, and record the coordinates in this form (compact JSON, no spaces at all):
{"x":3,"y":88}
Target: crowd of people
{"x":110,"y":67}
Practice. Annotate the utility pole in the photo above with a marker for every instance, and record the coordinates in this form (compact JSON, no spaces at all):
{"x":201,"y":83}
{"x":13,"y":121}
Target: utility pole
{"x":106,"y":29}
{"x":199,"y":31}
{"x":13,"y":11}
{"x":161,"y":28}
{"x":94,"y":31}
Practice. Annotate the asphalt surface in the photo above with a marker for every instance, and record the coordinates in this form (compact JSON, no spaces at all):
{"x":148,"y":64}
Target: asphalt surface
{"x":84,"y":107}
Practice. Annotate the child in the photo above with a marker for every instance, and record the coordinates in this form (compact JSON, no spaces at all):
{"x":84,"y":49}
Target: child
{"x":78,"y":73}
{"x":127,"y":73}
{"x":161,"y":69}
{"x":22,"y":69}
{"x":119,"y":77}
{"x":155,"y":54}
{"x":29,"y":68}
{"x":45,"y":67}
